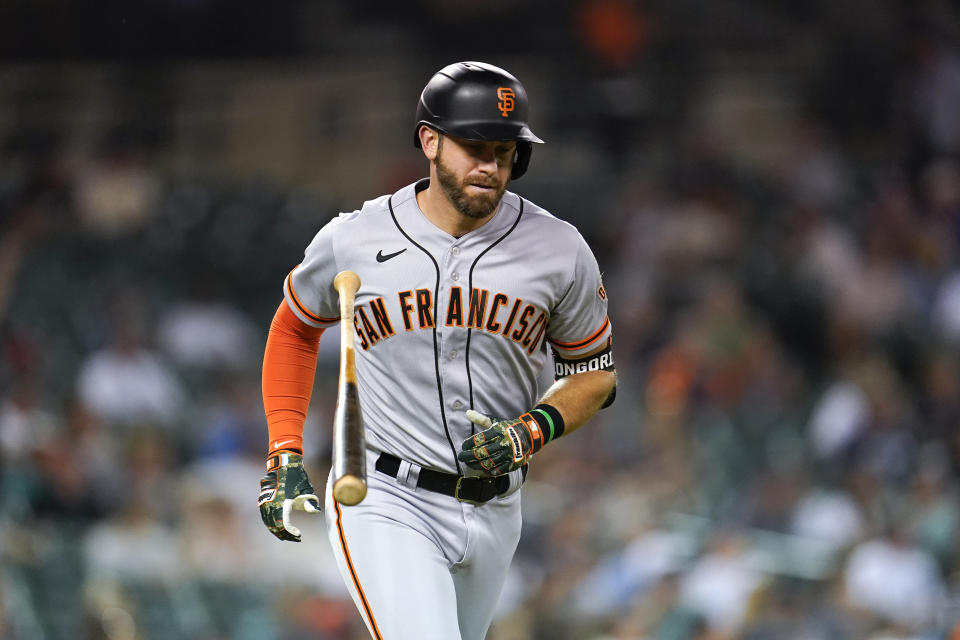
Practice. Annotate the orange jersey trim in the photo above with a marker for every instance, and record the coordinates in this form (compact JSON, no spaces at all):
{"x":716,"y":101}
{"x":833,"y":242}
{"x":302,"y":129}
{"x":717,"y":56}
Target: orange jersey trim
{"x":570,"y":346}
{"x":300,"y":305}
{"x":353,"y":574}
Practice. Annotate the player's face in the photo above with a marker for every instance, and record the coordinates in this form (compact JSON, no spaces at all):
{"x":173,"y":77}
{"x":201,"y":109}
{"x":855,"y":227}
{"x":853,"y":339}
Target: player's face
{"x":474,"y":174}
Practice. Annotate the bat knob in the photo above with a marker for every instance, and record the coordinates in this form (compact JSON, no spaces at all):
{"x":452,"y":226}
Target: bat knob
{"x":349,"y":490}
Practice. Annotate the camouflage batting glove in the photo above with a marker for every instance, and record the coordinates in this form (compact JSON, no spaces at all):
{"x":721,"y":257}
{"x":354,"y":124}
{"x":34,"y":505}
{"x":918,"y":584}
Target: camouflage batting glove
{"x":285,"y":487}
{"x":505,"y":445}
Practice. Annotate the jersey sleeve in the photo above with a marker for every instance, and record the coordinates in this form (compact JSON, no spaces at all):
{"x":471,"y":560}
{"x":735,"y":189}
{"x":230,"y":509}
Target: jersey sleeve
{"x":308,"y":289}
{"x":579,"y":322}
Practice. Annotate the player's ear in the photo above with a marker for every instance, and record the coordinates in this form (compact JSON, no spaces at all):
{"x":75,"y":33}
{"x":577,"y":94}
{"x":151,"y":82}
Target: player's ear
{"x":430,"y":141}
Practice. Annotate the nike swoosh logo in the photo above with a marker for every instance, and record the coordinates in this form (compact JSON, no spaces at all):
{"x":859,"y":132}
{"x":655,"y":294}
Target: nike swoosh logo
{"x":384,"y":258}
{"x":278,"y":443}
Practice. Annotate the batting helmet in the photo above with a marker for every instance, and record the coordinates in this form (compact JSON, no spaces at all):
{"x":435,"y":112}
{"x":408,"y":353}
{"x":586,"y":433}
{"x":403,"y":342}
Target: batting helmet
{"x":478,"y":101}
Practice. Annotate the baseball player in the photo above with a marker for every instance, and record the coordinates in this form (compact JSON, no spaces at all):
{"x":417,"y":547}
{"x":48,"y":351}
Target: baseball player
{"x":464,"y":287}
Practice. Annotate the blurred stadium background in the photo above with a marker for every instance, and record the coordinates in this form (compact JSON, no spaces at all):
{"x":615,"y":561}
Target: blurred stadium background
{"x":773,"y":194}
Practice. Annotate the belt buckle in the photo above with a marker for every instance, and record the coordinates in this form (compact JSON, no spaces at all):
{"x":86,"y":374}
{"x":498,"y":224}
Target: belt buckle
{"x":484,"y":497}
{"x":456,"y":490}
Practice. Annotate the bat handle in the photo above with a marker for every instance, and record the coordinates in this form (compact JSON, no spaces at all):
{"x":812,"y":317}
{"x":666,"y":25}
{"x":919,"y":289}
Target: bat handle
{"x":347,"y":283}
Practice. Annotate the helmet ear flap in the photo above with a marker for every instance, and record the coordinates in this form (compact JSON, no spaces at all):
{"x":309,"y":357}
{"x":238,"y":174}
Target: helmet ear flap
{"x":521,"y":160}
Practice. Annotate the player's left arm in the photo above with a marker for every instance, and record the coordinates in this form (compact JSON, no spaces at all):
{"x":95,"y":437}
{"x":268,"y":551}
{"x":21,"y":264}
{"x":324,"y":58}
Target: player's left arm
{"x":580,"y":334}
{"x":578,"y":396}
{"x":505,"y":445}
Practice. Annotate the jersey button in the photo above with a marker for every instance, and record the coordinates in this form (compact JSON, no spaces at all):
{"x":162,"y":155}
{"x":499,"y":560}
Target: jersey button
{"x":455,"y":277}
{"x":453,"y":354}
{"x":457,"y":405}
{"x":455,"y":251}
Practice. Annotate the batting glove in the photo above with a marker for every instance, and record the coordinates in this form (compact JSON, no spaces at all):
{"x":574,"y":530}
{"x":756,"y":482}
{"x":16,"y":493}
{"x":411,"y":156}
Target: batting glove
{"x":505,"y":445}
{"x":285,"y":487}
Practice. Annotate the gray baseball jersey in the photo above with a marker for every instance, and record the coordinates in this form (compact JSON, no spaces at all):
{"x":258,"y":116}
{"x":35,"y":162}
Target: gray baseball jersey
{"x":446,"y":324}
{"x":443,"y":324}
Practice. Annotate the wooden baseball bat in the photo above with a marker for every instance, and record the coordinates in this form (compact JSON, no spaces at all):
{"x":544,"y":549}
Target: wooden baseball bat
{"x":349,"y":446}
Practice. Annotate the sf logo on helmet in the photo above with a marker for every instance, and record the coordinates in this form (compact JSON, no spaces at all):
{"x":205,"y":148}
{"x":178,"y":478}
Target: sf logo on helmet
{"x":506,"y":96}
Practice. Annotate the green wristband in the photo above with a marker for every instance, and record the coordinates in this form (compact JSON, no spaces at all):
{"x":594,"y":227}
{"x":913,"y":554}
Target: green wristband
{"x":549,"y":420}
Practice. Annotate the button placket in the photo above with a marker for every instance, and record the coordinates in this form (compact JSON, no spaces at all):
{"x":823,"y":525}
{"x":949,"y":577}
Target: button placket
{"x":453,"y":267}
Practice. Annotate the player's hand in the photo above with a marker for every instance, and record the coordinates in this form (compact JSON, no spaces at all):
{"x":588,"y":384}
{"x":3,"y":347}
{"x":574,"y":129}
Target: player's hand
{"x":502,"y":446}
{"x":285,"y":487}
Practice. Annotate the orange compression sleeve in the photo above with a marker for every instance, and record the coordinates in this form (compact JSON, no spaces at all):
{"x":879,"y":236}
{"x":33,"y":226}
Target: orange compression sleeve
{"x":289,"y":365}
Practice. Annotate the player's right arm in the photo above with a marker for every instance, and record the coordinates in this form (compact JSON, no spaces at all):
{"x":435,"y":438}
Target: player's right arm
{"x":289,"y":365}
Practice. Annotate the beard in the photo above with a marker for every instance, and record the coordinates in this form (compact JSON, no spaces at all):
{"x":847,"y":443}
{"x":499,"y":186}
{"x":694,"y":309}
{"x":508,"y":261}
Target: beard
{"x":476,"y":206}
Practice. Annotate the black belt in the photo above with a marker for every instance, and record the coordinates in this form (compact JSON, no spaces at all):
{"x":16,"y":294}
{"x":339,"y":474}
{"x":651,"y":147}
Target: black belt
{"x":464,"y":488}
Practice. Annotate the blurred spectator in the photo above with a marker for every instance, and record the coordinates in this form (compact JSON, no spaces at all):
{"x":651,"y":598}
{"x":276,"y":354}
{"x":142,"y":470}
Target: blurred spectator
{"x":130,"y":560}
{"x":204,"y":331}
{"x":839,"y":416}
{"x":12,"y":245}
{"x":939,"y":399}
{"x":231,"y":422}
{"x":211,"y":539}
{"x":628,"y":575}
{"x":946,"y":308}
{"x":614,"y":35}
{"x":880,"y":297}
{"x":136,"y":545}
{"x":936,"y":92}
{"x":117,"y":193}
{"x":829,"y":514}
{"x":133,"y":545}
{"x":79,"y":471}
{"x":865,"y":416}
{"x":935,"y":510}
{"x":814,"y":172}
{"x":612,"y":30}
{"x":720,"y":584}
{"x":126,"y":382}
{"x":828,"y":257}
{"x":895,"y":580}
{"x":25,"y":426}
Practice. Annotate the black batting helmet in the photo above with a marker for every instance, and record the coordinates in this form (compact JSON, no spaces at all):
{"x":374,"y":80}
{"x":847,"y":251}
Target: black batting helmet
{"x":478,"y":101}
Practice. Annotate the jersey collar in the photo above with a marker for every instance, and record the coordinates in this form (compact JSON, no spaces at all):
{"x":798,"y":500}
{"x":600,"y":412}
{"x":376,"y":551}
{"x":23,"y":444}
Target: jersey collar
{"x":409,"y":214}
